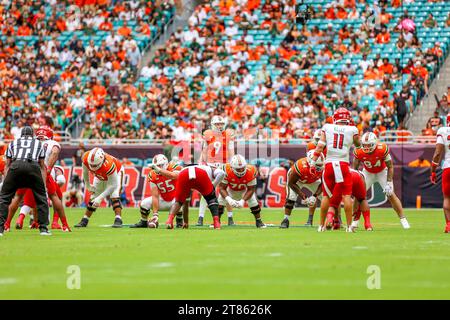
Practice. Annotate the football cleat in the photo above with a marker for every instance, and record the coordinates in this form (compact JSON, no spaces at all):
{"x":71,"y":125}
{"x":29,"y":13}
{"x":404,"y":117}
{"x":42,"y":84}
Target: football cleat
{"x":447,"y":228}
{"x":185,"y":226}
{"x":117,"y":223}
{"x":329,"y":221}
{"x":140,"y":224}
{"x":231,"y":222}
{"x":405,"y":223}
{"x":216,"y":223}
{"x":350,"y":229}
{"x":34,"y":225}
{"x":355,"y":224}
{"x":6,"y":227}
{"x":321,"y":228}
{"x":368,"y":226}
{"x":44,"y":232}
{"x":199,"y":222}
{"x":66,"y":228}
{"x":260,"y":224}
{"x":284,"y":223}
{"x":19,"y":222}
{"x":83,"y":223}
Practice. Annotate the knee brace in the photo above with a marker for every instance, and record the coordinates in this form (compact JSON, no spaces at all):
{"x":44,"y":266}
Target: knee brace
{"x":255,"y":210}
{"x":213,"y":204}
{"x":90,"y":207}
{"x":116,"y":204}
{"x":144,"y":212}
{"x":289,"y":204}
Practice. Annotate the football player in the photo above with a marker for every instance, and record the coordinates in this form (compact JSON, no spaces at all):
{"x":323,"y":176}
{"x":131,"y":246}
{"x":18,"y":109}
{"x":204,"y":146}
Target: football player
{"x":378,"y":167}
{"x":108,"y":179}
{"x":217,"y":150}
{"x":338,"y":138}
{"x":299,"y":176}
{"x":202,"y":178}
{"x":442,"y":151}
{"x":162,"y":178}
{"x":315,"y":140}
{"x":239,"y":186}
{"x":360,"y":204}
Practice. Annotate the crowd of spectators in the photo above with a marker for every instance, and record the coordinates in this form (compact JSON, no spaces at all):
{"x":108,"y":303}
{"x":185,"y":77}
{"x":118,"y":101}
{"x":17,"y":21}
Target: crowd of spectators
{"x":209,"y":67}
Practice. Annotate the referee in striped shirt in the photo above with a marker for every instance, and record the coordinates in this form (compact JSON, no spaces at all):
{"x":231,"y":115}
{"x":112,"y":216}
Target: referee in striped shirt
{"x":25,"y":168}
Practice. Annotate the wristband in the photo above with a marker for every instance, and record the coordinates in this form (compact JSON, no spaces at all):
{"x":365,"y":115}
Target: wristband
{"x":434,"y":164}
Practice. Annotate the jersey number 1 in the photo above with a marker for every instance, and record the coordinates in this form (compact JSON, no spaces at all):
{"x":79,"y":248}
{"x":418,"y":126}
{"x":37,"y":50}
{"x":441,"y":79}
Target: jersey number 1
{"x":338,"y":141}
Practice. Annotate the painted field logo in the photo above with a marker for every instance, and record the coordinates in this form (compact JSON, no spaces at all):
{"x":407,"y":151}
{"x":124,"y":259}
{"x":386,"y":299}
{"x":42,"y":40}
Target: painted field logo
{"x":374,"y":279}
{"x":74,"y":279}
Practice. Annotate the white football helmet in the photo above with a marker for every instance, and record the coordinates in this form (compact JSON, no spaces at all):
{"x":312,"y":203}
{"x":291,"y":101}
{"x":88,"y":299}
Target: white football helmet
{"x":160,"y":161}
{"x":96,"y":157}
{"x":319,"y":162}
{"x":369,"y":142}
{"x":60,"y":180}
{"x":218,"y":123}
{"x":317,"y":135}
{"x":238,"y":165}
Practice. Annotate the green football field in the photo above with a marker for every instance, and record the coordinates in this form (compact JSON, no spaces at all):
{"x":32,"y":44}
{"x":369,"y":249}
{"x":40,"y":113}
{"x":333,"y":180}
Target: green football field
{"x":239,"y":262}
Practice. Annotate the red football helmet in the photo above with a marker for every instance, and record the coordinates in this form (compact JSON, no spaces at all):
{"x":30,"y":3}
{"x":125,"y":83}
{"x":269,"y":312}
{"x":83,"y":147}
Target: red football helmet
{"x":44,"y":132}
{"x":342,"y":115}
{"x":448,"y":120}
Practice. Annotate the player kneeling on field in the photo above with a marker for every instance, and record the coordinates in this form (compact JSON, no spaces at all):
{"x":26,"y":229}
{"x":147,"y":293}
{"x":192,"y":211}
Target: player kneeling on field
{"x":162,"y":178}
{"x":299,"y":177}
{"x":239,"y":186}
{"x":108,"y":180}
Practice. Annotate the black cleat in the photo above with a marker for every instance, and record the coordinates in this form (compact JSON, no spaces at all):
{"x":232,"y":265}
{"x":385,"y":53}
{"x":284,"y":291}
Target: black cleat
{"x":260,"y":224}
{"x":140,"y":224}
{"x":308,"y":224}
{"x":44,"y":232}
{"x":231,"y":221}
{"x":117,"y":223}
{"x":199,"y":222}
{"x":83,"y":223}
{"x":284,"y":223}
{"x":179,"y":222}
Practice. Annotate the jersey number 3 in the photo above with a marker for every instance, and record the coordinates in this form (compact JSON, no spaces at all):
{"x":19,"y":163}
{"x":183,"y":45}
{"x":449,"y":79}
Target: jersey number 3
{"x":338,"y":141}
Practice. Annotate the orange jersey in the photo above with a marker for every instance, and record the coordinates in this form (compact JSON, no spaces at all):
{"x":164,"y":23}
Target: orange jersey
{"x":109,"y":166}
{"x":312,"y":146}
{"x":374,"y":162}
{"x":165,"y":185}
{"x":302,"y":169}
{"x":2,"y":165}
{"x":218,"y":145}
{"x":236,"y":183}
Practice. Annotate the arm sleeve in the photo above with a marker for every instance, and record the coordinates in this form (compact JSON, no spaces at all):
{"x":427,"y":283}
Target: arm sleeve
{"x":113,"y":180}
{"x":9,"y":151}
{"x":86,"y":175}
{"x":218,"y":176}
{"x":439,"y":139}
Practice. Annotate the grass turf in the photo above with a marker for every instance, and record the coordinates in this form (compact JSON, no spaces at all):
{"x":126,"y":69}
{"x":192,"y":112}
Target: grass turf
{"x":234,"y":263}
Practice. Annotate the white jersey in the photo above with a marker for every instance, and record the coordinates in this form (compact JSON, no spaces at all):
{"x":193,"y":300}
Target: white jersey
{"x":443,"y":137}
{"x":216,"y":175}
{"x":339,"y":141}
{"x":48,"y":146}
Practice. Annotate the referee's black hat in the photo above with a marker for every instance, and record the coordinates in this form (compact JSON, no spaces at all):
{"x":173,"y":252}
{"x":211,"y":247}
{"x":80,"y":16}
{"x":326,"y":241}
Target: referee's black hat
{"x":27,"y":131}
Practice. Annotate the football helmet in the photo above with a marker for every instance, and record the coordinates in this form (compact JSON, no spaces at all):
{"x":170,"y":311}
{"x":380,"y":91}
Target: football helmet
{"x":96,"y":157}
{"x":369,"y":142}
{"x":218,"y":123}
{"x":319,"y":162}
{"x":342,"y":115}
{"x":238,"y":165}
{"x":44,"y":133}
{"x":160,"y":161}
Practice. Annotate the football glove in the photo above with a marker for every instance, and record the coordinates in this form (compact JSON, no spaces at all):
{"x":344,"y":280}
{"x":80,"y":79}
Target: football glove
{"x":232,"y":202}
{"x":389,"y":189}
{"x":96,"y":202}
{"x":311,"y":201}
{"x":433,"y":178}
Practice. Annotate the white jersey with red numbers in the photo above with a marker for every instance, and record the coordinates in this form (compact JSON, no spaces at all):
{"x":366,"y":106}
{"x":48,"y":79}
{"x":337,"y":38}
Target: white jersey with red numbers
{"x":443,"y":137}
{"x":339,"y":140}
{"x":48,"y":147}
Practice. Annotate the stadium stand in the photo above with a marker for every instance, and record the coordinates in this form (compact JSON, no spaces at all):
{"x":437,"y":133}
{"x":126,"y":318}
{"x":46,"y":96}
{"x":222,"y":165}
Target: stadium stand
{"x":253,"y":61}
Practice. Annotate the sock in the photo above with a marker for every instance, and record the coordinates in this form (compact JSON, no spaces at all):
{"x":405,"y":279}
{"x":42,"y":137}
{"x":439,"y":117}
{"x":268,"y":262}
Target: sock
{"x":366,"y":215}
{"x":230,"y":214}
{"x":25,"y":210}
{"x":118,"y":217}
{"x":310,"y":218}
{"x":55,"y":217}
{"x":86,"y":217}
{"x":63,"y":220}
{"x":357,"y":215}
{"x":286,"y":216}
{"x":202,"y":207}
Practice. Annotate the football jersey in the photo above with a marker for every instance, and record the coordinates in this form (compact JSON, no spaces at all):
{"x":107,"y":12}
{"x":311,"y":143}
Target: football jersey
{"x":302,"y":168}
{"x":109,"y":166}
{"x":166,"y":186}
{"x":236,"y":183}
{"x":339,"y":140}
{"x":48,"y":147}
{"x":375,"y":161}
{"x":443,"y":137}
{"x":56,"y":171}
{"x":217,"y":145}
{"x":312,"y":146}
